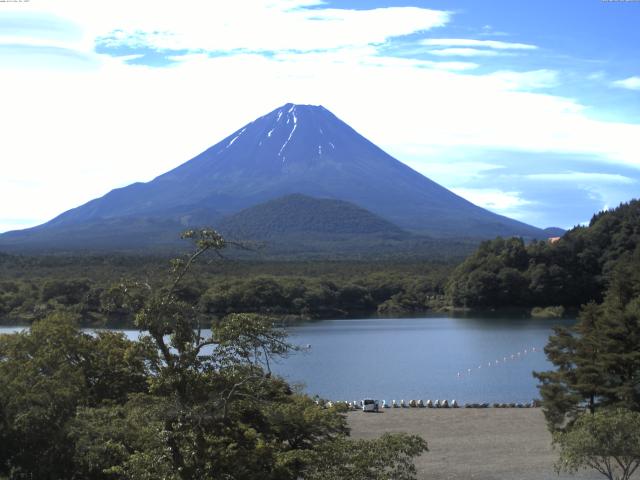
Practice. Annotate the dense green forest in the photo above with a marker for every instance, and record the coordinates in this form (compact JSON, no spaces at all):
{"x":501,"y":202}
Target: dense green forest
{"x":92,"y":287}
{"x":570,"y":272}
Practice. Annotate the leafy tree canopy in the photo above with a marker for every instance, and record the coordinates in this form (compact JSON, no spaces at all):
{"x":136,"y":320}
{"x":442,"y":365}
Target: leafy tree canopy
{"x":607,"y":441}
{"x":570,"y":272}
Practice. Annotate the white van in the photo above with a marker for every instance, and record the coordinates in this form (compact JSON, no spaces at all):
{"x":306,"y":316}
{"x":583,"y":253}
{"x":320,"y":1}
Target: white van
{"x":369,"y":405}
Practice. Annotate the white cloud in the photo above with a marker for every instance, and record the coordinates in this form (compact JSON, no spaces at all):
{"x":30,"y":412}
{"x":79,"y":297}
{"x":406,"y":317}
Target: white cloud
{"x":458,"y":168}
{"x":6,"y":225}
{"x":462,"y":47}
{"x":595,"y":178}
{"x":253,"y":25}
{"x":493,"y":199}
{"x":488,"y":31}
{"x":367,"y":57}
{"x":631,"y":83}
{"x":530,"y":80}
{"x":465,"y":42}
{"x":464,"y":52}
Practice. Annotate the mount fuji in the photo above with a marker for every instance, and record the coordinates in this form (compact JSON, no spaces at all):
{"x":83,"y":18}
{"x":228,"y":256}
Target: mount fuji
{"x":295,"y":149}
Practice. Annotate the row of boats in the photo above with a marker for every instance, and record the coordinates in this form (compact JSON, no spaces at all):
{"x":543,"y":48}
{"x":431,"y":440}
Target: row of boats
{"x":375,"y":405}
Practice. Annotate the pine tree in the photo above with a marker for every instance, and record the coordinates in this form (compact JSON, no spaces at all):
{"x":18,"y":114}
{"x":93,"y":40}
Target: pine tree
{"x":598,"y":360}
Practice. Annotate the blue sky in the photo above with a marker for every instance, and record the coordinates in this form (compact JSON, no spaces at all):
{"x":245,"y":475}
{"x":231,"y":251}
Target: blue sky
{"x":530,"y":109}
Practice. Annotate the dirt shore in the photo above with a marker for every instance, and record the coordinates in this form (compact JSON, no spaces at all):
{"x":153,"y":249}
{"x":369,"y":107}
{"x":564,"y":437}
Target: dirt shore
{"x":479,"y":444}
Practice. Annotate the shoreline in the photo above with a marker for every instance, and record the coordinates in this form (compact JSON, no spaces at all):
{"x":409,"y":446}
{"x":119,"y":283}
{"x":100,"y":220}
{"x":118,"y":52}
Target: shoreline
{"x":294,"y":319}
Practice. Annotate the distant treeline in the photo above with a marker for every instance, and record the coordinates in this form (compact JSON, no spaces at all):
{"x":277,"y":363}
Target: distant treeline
{"x":108,"y":290}
{"x":571,"y":271}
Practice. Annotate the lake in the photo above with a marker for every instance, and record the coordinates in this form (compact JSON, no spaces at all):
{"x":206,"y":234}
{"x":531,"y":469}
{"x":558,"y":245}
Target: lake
{"x":470,"y":359}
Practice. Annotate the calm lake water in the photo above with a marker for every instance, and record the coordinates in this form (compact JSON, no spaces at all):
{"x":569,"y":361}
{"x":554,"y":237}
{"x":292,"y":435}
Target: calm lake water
{"x":467,"y":359}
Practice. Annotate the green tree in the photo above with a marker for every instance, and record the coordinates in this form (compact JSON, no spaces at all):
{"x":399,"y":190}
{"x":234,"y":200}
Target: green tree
{"x":46,"y":374}
{"x":389,"y":457}
{"x":576,"y":383}
{"x":194,"y":397}
{"x":597,"y":361}
{"x":214,"y":410}
{"x":607,"y":441}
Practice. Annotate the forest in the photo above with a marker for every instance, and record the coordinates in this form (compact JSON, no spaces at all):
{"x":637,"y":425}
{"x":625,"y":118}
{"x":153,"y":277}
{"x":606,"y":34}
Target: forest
{"x":569,"y":272}
{"x":92,"y":287}
{"x":501,"y":273}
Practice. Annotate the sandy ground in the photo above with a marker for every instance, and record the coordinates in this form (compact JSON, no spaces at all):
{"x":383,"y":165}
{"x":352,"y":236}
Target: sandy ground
{"x":479,"y":444}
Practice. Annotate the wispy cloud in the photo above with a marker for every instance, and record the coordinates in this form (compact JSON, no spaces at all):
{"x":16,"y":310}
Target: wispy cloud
{"x":466,"y":47}
{"x":226,"y":26}
{"x":27,"y":56}
{"x":464,"y":52}
{"x":472,"y":43}
{"x":488,"y":31}
{"x":493,"y":199}
{"x":582,"y":177}
{"x":191,"y":27}
{"x":28,"y":24}
{"x":631,"y":83}
{"x":530,"y":80}
{"x":7,"y":224}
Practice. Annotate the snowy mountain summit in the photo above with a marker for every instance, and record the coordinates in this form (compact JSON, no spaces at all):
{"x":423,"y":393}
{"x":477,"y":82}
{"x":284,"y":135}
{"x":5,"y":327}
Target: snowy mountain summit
{"x":284,"y":140}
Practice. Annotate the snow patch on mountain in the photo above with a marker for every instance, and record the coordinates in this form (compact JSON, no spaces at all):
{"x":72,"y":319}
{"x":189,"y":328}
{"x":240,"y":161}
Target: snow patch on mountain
{"x":292,"y":110}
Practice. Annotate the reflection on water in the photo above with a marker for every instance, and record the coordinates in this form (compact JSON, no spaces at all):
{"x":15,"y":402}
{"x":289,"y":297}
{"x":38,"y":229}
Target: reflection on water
{"x":470,"y":359}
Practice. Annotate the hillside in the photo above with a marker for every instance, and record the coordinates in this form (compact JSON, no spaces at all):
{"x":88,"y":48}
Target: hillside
{"x":572,"y":271}
{"x":298,"y":214}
